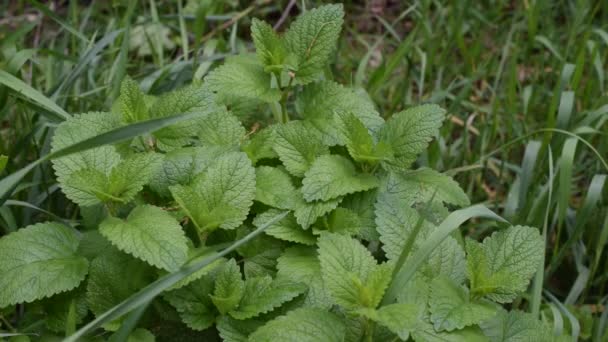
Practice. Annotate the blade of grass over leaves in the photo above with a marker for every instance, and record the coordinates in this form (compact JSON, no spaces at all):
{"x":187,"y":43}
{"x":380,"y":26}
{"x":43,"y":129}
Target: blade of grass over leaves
{"x":154,"y":289}
{"x":55,"y":113}
{"x":8,"y":184}
{"x":451,"y":223}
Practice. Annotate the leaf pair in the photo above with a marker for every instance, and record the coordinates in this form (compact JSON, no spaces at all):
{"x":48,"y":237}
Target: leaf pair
{"x":305,"y":48}
{"x":399,"y":141}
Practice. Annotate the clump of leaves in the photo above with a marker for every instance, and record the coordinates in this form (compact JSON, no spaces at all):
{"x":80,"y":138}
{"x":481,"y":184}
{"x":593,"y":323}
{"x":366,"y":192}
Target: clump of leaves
{"x":354,"y":211}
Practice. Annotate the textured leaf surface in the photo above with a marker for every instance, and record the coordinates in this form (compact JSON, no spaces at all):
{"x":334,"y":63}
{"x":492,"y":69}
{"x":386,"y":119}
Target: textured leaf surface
{"x":287,"y":229}
{"x":516,"y":326}
{"x":268,"y":45}
{"x":501,"y":267}
{"x":409,"y":133}
{"x":39,"y":261}
{"x":229,"y":287}
{"x":220,"y":128}
{"x":189,"y":99}
{"x":332,"y":176}
{"x":150,"y":234}
{"x":427,"y":333}
{"x":307,"y":213}
{"x":451,"y":308}
{"x":233,"y":330}
{"x":298,"y":145}
{"x":447,"y":260}
{"x":395,"y":224}
{"x":181,"y":166}
{"x":113,"y":277}
{"x":302,"y":325}
{"x":274,"y":188}
{"x":193,"y":303}
{"x":312,"y":39}
{"x":399,"y":318}
{"x":100,"y":159}
{"x":422,"y":186}
{"x":222,"y":195}
{"x":320,"y":102}
{"x":351,"y":273}
{"x":262,"y":295}
{"x":131,"y":174}
{"x":132,"y":104}
{"x":242,"y":77}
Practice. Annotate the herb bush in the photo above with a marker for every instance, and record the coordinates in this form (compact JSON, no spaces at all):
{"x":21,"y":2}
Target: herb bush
{"x":356,"y":244}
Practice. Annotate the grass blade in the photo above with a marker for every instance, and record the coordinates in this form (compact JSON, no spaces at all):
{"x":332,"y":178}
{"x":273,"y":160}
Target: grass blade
{"x":151,"y":291}
{"x":55,"y":113}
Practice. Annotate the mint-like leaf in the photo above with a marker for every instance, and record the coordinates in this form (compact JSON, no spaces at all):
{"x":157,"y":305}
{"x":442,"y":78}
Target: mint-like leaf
{"x":39,"y":261}
{"x":150,"y":234}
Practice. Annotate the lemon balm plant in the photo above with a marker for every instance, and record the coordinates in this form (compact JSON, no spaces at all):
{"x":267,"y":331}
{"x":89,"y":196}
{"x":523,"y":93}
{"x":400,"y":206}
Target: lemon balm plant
{"x":357,"y":244}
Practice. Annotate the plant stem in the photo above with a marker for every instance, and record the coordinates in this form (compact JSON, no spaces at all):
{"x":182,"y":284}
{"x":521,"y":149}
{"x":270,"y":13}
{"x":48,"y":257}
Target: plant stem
{"x":285,"y":116}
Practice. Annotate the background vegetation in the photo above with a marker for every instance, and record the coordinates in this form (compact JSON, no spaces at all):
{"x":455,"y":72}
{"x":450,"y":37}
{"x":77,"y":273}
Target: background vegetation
{"x":523,"y":82}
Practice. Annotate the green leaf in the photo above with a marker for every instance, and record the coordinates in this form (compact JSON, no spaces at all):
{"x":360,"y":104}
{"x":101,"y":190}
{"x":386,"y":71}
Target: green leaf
{"x":132,"y":104}
{"x":262,"y":295}
{"x":221,"y":128}
{"x":321,"y":102}
{"x":100,"y":159}
{"x":150,"y":234}
{"x":232,"y":330}
{"x":161,"y":284}
{"x":9,"y":183}
{"x":500,"y":268}
{"x":516,"y":326}
{"x":39,"y":261}
{"x":194,"y":99}
{"x":451,"y":307}
{"x":447,"y":260}
{"x":229,"y":287}
{"x":359,"y":141}
{"x":261,"y":145}
{"x":181,"y":166}
{"x":274,"y":188}
{"x":395,"y":224}
{"x":344,"y":221}
{"x":268,"y":45}
{"x":307,"y":213}
{"x":301,"y":264}
{"x":193,"y":303}
{"x":242,"y":77}
{"x":312,"y":39}
{"x":141,"y":335}
{"x":422,"y":186}
{"x":409,"y":133}
{"x":220,"y":196}
{"x":113,"y":277}
{"x":427,"y":333}
{"x":123,"y":184}
{"x":298,"y":144}
{"x":406,"y":271}
{"x":332,"y":176}
{"x":302,"y":325}
{"x":351,"y":273}
{"x":399,"y":318}
{"x":287,"y":229}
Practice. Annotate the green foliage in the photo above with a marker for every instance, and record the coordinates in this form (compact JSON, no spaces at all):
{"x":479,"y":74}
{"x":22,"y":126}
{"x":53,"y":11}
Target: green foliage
{"x":39,"y":261}
{"x":270,"y":135}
